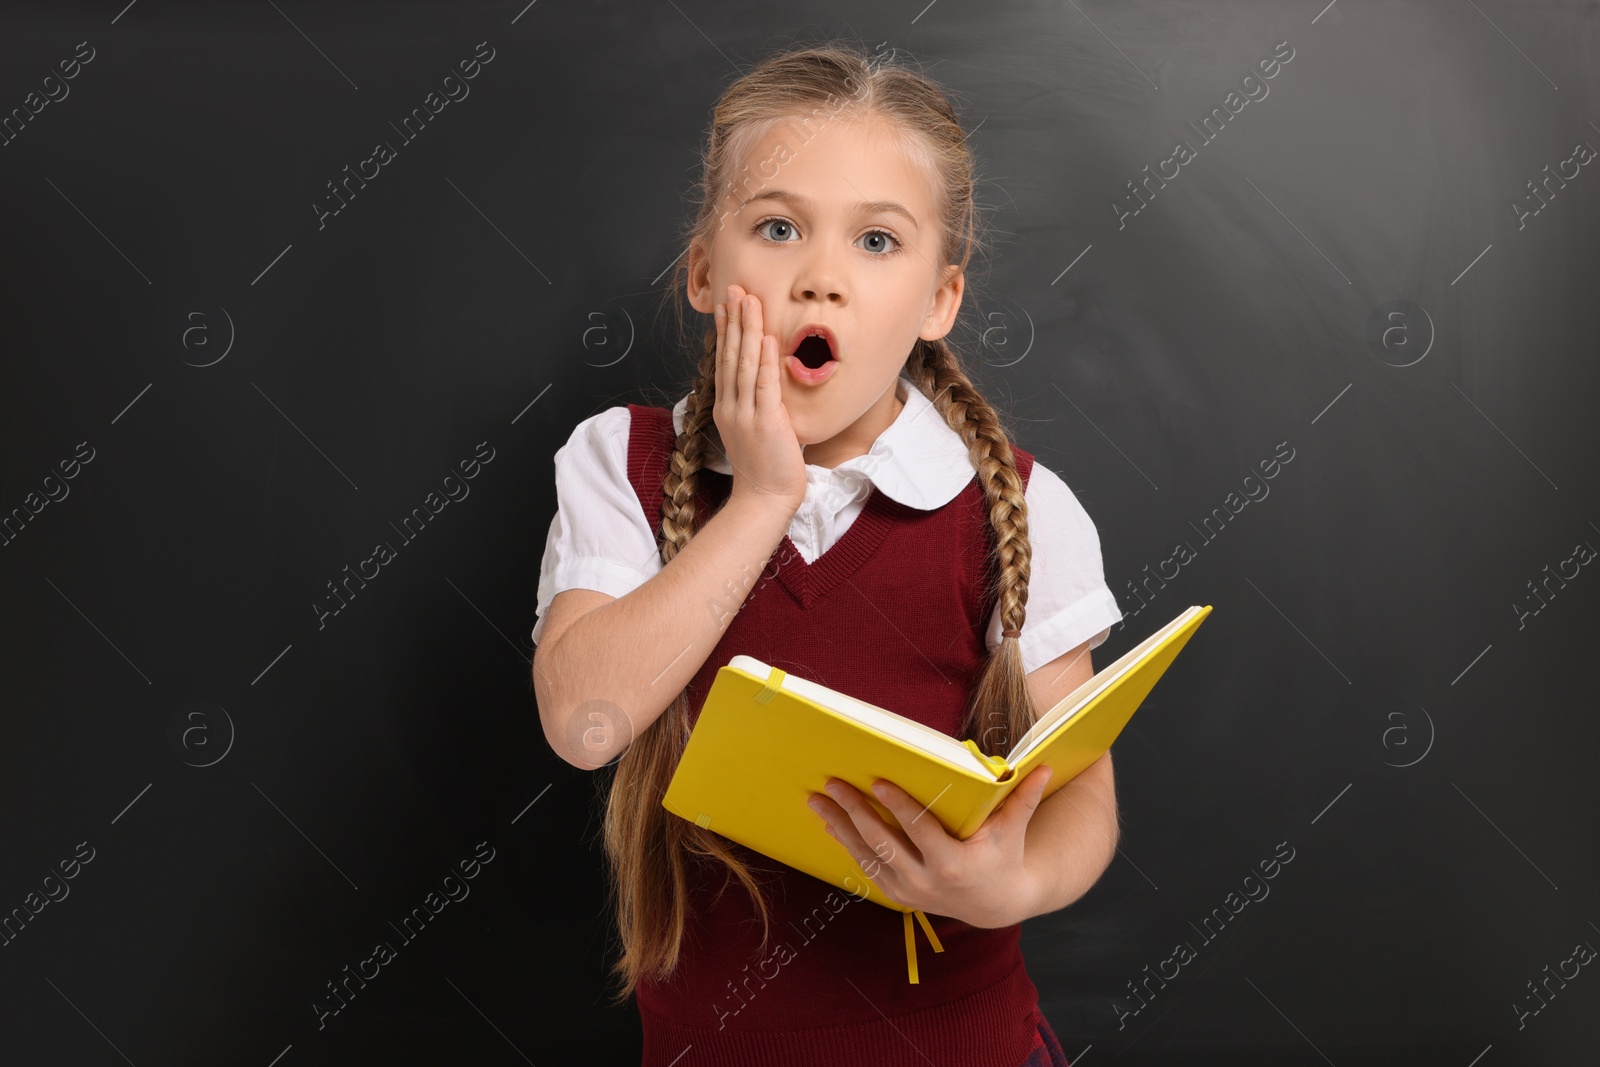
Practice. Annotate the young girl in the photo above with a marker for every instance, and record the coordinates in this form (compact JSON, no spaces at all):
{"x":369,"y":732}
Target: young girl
{"x":835,"y":498}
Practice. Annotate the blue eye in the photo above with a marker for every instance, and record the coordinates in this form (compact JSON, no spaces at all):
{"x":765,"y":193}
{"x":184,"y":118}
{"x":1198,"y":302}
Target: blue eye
{"x":887,"y":236}
{"x":774,"y":218}
{"x":760,"y":229}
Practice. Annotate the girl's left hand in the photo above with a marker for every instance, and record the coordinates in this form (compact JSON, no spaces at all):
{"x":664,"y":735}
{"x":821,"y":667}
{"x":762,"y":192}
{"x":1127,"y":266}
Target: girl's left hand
{"x":982,"y":881}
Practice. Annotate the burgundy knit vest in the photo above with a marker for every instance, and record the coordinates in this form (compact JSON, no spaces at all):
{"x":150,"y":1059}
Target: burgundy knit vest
{"x":895,"y":613}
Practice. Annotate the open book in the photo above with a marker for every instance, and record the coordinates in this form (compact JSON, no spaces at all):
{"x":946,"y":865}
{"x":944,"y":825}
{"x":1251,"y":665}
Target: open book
{"x":766,"y":740}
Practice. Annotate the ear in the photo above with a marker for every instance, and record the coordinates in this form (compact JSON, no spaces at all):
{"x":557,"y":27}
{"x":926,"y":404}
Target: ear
{"x":946,"y":302}
{"x":699,"y":280}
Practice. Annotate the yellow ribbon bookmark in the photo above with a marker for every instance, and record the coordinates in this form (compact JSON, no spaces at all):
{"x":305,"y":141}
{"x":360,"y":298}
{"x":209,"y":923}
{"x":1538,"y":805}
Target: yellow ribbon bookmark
{"x":770,"y":687}
{"x":911,"y":942}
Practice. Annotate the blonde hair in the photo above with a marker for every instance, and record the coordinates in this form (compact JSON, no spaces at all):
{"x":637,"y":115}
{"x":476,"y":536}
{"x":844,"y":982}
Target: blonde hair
{"x":648,"y":849}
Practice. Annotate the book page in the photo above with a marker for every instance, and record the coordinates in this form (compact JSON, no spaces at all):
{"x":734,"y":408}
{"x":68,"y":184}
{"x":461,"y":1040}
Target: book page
{"x":918,"y":735}
{"x":1075,"y":701}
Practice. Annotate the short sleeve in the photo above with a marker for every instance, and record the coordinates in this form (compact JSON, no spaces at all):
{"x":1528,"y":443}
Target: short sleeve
{"x":1068,"y":599}
{"x":599,"y":538}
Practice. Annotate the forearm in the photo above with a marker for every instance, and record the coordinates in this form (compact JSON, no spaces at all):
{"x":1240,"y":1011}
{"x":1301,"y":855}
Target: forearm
{"x":639,"y":651}
{"x":1071,"y":839}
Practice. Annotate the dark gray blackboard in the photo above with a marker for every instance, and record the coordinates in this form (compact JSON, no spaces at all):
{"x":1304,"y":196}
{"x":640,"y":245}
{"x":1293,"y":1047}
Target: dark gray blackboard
{"x":218,"y":395}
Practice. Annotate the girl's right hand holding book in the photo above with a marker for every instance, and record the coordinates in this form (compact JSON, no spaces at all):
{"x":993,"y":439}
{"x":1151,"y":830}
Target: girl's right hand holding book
{"x":767,"y":460}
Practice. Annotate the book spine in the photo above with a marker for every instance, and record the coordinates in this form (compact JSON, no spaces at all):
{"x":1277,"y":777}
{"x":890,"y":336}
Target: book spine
{"x":989,"y":799}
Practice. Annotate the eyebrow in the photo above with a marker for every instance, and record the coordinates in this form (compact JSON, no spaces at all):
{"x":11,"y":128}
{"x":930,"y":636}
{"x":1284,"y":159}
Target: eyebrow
{"x":866,"y":207}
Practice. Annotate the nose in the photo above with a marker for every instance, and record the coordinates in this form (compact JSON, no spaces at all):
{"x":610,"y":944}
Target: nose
{"x":820,"y":279}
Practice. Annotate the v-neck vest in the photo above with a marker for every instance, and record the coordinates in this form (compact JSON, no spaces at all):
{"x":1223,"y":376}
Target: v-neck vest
{"x":894,"y":613}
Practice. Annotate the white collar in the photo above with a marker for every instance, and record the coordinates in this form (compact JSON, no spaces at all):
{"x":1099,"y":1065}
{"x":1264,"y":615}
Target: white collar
{"x":918,"y":461}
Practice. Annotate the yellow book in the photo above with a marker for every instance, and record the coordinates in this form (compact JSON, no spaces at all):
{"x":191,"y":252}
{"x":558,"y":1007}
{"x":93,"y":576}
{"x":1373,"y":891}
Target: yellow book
{"x":766,"y":740}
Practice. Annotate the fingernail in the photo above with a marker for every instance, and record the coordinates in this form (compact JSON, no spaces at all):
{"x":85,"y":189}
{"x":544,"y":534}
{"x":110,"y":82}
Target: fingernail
{"x":815,"y":805}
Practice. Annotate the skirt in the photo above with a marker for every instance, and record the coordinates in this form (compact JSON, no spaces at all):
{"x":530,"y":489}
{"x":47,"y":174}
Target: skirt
{"x":1046,"y":1050}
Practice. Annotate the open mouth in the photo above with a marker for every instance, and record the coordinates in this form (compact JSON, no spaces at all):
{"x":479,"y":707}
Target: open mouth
{"x":814,"y":351}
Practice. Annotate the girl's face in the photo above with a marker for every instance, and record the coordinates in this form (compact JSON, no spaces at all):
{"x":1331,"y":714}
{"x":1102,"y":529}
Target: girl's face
{"x":839,"y":230}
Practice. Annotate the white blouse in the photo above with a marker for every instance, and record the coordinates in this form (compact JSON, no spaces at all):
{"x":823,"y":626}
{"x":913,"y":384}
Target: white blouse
{"x":599,"y":538}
